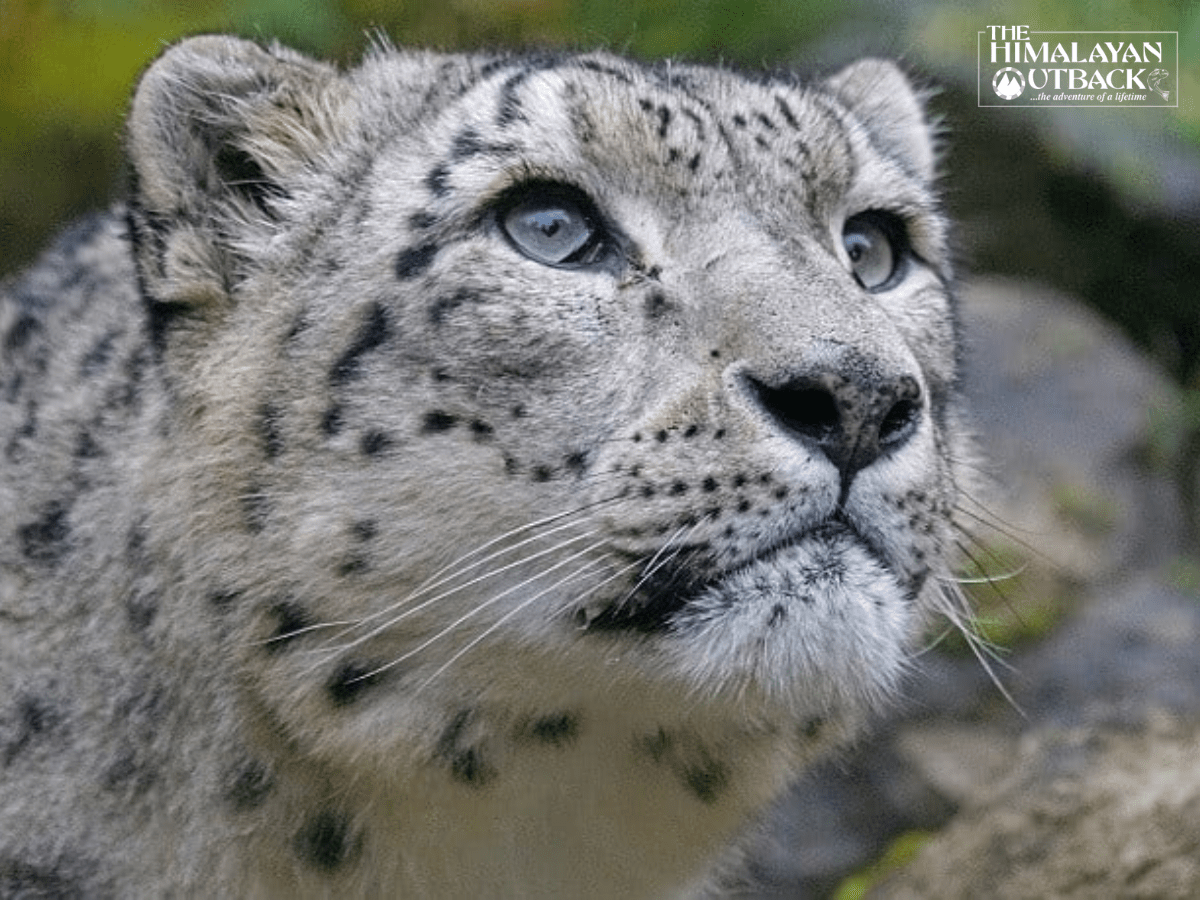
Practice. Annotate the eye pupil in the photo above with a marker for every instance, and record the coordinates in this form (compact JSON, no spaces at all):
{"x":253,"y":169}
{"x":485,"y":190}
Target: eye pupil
{"x":548,"y":222}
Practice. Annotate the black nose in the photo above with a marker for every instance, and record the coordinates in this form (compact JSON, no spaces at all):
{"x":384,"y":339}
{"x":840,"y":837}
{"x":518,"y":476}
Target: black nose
{"x":853,"y":414}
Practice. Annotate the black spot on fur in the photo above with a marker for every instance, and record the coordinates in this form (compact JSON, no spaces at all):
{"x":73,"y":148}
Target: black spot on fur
{"x":766,"y":121}
{"x":45,"y":541}
{"x":557,"y":731}
{"x":86,"y":446}
{"x":786,"y":112}
{"x":21,"y":331}
{"x":412,"y":261}
{"x":437,"y":180}
{"x":135,"y":544}
{"x":692,"y":431}
{"x":468,"y":143}
{"x":140,"y":610}
{"x":325,"y":841}
{"x":467,"y":764}
{"x":739,"y":120}
{"x":128,"y":773}
{"x":656,"y":745}
{"x":331,"y":421}
{"x":694,"y":162}
{"x":291,"y":621}
{"x":657,"y":304}
{"x":256,"y":507}
{"x":778,"y":615}
{"x":249,"y":784}
{"x":542,"y":473}
{"x":679,"y":487}
{"x":421,"y":221}
{"x":576,"y":462}
{"x":481,"y":431}
{"x":125,"y":392}
{"x":351,"y":679}
{"x":442,"y":306}
{"x":97,"y":357}
{"x":34,"y":718}
{"x":21,"y":880}
{"x":437,"y":421}
{"x":510,"y":109}
{"x":374,"y":442}
{"x":707,"y":778}
{"x":664,"y":121}
{"x":268,"y":430}
{"x":662,"y":436}
{"x":224,"y":599}
{"x":709,"y":484}
{"x":364,"y":530}
{"x":813,"y":728}
{"x":373,"y":332}
{"x":352,"y":565}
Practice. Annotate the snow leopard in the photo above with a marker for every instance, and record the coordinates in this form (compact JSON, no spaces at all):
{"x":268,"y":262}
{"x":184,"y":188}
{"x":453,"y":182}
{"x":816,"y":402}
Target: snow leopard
{"x":459,"y":475}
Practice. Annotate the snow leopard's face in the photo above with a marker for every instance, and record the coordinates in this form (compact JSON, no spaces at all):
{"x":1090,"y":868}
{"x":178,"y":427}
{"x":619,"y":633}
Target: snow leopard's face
{"x":553,"y":384}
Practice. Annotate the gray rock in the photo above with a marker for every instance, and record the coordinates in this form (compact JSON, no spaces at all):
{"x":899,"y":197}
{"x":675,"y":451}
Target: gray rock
{"x":1091,"y":812}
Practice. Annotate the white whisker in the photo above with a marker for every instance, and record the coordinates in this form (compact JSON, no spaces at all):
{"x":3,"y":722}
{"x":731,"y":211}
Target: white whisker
{"x":655,"y":562}
{"x":465,"y":617}
{"x":578,"y":573}
{"x":424,"y":604}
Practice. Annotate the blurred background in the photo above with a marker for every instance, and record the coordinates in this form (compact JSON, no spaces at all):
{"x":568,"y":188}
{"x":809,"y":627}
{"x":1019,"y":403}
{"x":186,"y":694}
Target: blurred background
{"x":1079,"y":238}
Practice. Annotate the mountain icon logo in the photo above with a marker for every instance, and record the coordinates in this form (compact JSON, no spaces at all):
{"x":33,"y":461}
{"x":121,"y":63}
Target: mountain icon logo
{"x":1008,"y":83}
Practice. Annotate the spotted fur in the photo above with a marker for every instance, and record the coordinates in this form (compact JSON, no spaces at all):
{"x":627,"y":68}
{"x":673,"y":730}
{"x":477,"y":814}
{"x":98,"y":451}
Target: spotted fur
{"x":465,"y":476}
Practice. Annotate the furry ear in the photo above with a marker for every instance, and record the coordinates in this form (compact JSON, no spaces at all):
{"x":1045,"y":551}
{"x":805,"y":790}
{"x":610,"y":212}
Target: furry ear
{"x":219,"y":132}
{"x":883,"y":99}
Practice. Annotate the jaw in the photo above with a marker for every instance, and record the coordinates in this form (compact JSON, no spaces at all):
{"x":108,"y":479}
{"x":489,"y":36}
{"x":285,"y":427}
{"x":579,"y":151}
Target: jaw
{"x":817,"y":627}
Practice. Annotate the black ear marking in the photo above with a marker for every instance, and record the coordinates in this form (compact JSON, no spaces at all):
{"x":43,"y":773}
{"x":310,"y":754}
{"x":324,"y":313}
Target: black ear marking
{"x":240,"y":172}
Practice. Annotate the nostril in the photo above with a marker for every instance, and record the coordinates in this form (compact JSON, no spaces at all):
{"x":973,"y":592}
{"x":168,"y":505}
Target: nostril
{"x":807,"y":410}
{"x":898,"y":423}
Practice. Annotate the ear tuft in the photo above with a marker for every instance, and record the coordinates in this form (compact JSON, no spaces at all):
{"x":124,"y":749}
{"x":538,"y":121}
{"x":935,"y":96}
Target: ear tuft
{"x":881,"y":96}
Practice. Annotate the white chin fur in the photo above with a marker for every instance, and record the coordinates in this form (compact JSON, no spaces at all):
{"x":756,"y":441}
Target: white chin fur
{"x":817,"y":627}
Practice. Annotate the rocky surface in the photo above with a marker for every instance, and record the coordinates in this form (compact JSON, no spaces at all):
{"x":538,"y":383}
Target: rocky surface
{"x":1082,"y":781}
{"x":1089,"y":812}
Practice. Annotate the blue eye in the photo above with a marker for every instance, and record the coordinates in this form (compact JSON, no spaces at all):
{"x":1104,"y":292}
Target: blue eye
{"x":875,"y":245}
{"x":555,"y":226}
